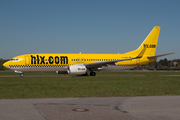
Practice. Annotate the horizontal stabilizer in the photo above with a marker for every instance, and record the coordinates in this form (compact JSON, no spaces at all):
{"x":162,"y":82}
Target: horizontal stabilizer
{"x":160,"y":55}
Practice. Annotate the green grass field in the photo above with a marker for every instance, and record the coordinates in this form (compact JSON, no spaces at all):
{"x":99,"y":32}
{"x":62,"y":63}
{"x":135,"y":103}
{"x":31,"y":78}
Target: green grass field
{"x":105,"y":84}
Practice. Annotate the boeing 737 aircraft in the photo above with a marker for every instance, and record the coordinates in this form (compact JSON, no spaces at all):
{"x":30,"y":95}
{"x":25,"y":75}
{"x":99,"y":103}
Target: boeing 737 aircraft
{"x":82,"y":63}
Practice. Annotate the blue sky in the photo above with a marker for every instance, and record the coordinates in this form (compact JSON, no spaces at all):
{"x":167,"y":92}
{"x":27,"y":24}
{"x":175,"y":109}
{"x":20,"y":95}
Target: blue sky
{"x":87,"y":26}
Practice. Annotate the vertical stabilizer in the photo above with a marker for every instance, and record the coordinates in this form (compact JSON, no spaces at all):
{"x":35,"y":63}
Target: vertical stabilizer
{"x":150,"y":43}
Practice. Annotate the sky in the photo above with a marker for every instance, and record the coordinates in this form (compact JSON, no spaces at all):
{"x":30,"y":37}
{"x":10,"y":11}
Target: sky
{"x":87,"y":26}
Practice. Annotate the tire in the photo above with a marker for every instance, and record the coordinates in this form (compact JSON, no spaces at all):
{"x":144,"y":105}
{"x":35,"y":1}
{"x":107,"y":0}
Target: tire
{"x":92,"y":74}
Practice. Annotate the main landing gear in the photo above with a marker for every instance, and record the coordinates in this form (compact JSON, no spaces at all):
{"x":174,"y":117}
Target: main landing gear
{"x":92,"y":73}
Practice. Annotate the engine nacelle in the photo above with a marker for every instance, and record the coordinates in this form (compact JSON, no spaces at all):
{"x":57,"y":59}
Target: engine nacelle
{"x":77,"y":69}
{"x":61,"y":72}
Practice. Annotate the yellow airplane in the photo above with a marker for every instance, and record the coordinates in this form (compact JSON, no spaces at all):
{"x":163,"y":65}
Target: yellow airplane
{"x":82,"y":63}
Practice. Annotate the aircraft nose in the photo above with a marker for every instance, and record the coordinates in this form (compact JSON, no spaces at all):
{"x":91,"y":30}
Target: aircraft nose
{"x":6,"y":64}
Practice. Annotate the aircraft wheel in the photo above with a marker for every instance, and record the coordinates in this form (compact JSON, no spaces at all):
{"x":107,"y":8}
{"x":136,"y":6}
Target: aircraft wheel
{"x":92,"y":74}
{"x":21,"y":74}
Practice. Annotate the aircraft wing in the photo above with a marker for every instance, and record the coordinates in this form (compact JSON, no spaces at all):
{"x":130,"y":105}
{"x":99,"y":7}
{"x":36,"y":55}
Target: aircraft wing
{"x":112,"y":62}
{"x":159,"y":55}
{"x":105,"y":63}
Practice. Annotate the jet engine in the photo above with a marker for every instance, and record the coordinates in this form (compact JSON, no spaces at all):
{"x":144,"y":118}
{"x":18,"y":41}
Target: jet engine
{"x":77,"y":69}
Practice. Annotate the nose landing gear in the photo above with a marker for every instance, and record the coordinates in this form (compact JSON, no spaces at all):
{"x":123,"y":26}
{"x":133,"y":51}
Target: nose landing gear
{"x":21,"y":75}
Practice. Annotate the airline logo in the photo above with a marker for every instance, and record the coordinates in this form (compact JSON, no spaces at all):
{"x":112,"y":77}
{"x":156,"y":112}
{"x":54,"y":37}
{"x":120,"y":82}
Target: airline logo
{"x":41,"y":60}
{"x":149,"y":45}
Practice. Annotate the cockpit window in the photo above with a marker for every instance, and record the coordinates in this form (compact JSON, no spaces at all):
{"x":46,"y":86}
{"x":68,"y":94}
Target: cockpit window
{"x":14,"y":59}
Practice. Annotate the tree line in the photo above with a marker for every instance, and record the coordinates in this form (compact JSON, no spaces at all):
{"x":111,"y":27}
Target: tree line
{"x":1,"y":64}
{"x":164,"y":64}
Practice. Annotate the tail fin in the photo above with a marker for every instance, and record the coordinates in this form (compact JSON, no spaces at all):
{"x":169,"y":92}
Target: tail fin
{"x":150,"y":43}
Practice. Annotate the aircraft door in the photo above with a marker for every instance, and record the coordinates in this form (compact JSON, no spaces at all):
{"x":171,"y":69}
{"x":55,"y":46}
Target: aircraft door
{"x":27,"y":60}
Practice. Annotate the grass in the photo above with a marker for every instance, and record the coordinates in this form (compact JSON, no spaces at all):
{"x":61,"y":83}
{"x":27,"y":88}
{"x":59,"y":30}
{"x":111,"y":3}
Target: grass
{"x":99,"y":86}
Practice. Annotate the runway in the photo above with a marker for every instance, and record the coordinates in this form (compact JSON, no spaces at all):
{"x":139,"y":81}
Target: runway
{"x":102,"y":108}
{"x":85,"y":76}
